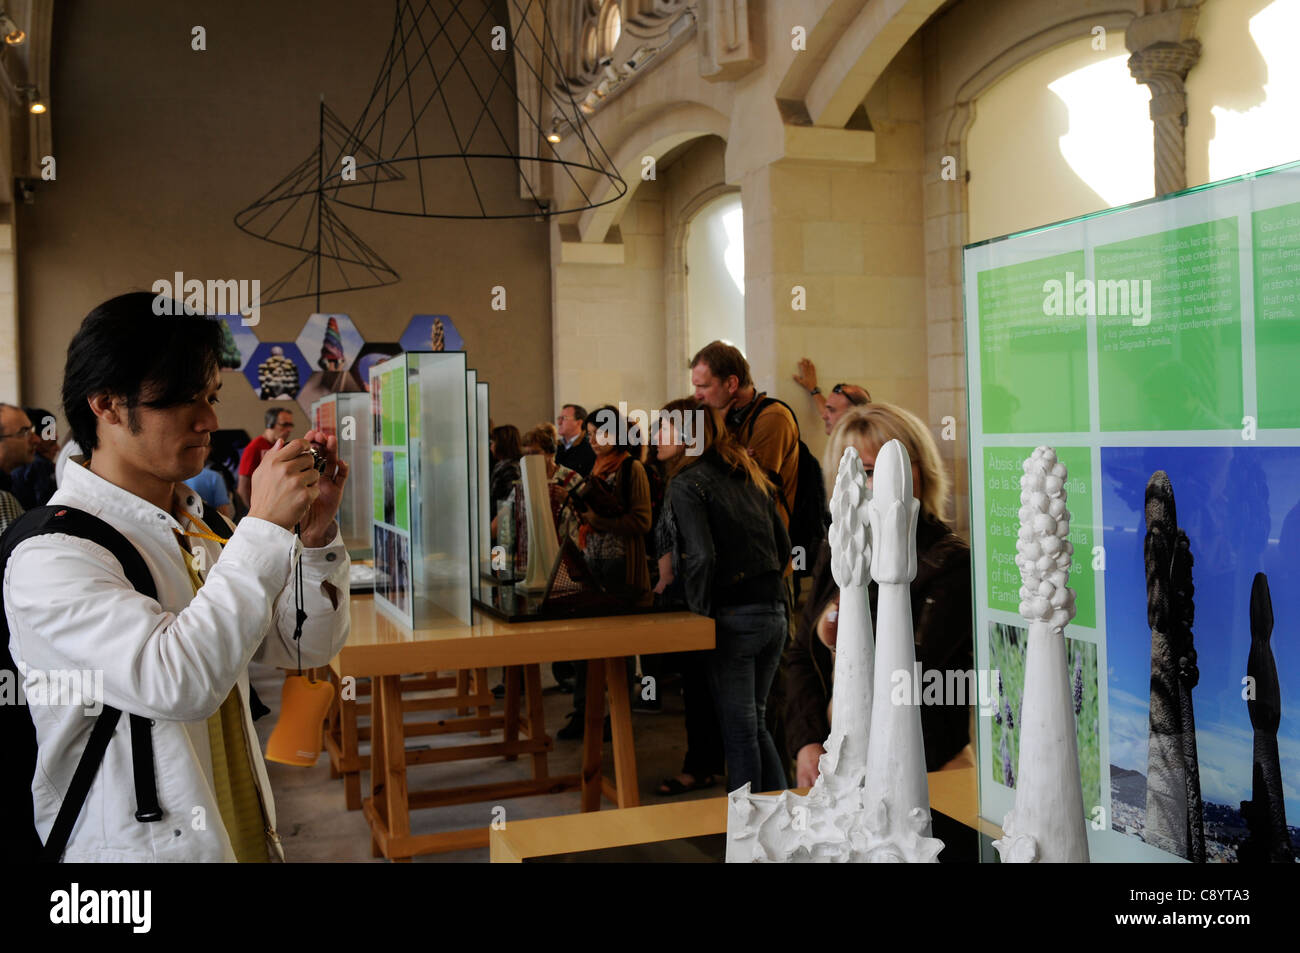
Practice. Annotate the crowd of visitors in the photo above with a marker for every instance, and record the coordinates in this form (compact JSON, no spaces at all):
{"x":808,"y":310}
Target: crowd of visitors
{"x":700,"y":510}
{"x":703,"y":511}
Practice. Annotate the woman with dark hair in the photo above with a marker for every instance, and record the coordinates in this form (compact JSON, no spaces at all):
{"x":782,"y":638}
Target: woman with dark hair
{"x":506,"y":449}
{"x":730,"y":551}
{"x":614,"y":546}
{"x":612,"y":542}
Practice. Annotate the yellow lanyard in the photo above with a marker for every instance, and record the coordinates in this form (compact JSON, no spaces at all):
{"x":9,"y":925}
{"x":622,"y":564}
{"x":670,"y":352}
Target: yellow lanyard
{"x":214,"y":538}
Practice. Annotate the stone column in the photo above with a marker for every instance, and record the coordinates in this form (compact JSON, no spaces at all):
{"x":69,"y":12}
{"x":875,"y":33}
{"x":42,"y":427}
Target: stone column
{"x":1164,"y":51}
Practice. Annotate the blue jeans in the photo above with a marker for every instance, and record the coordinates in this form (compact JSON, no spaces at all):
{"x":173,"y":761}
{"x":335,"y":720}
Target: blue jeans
{"x":750,"y":640}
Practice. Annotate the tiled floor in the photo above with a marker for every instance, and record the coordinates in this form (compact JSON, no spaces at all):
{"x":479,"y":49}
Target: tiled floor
{"x":315,"y":826}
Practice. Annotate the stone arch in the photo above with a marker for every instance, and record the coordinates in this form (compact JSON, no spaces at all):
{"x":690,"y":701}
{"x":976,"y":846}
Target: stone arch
{"x":851,"y":45}
{"x":656,"y":136}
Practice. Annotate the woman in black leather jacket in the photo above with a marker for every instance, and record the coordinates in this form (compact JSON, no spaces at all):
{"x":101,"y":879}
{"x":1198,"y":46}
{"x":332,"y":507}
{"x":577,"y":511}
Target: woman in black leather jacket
{"x":730,"y":551}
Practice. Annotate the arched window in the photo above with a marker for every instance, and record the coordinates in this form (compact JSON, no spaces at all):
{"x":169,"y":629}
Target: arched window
{"x":611,"y":27}
{"x":590,"y":47}
{"x":715,"y":274}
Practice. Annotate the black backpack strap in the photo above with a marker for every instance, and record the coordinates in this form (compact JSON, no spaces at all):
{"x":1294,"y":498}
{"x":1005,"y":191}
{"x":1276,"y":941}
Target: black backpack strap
{"x":74,"y":522}
{"x":100,"y":735}
{"x":763,"y":404}
{"x":221,"y":526}
{"x":146,"y":789}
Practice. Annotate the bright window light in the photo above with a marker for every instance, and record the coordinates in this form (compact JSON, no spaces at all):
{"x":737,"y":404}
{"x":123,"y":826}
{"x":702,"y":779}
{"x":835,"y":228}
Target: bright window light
{"x":1109,"y":143}
{"x":733,"y":224}
{"x":1267,"y":134}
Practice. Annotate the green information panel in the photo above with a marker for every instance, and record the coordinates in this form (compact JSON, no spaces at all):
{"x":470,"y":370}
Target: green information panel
{"x":1033,"y":374}
{"x":1169,"y":330}
{"x":1277,"y":313}
{"x":401,"y":491}
{"x":1156,"y":348}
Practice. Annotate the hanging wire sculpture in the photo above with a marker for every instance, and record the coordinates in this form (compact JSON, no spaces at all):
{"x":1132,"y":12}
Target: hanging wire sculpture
{"x":436,"y":112}
{"x":296,"y":214}
{"x":430,"y":143}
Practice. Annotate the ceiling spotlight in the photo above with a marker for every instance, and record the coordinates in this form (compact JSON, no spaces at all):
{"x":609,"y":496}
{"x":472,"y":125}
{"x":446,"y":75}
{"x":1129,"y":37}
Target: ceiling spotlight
{"x":35,"y":104}
{"x":14,"y":34}
{"x":553,"y":136}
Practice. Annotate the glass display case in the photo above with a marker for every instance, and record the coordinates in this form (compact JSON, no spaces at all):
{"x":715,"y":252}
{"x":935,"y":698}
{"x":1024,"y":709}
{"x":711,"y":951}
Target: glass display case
{"x":422,"y":504}
{"x":347,"y":417}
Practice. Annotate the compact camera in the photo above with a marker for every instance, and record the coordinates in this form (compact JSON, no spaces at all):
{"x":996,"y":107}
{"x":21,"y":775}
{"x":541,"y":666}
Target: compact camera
{"x":317,"y":460}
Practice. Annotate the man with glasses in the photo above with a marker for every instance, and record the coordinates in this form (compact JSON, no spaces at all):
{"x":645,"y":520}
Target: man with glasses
{"x":17,"y":447}
{"x":830,"y":407}
{"x":33,"y":483}
{"x":574,"y":450}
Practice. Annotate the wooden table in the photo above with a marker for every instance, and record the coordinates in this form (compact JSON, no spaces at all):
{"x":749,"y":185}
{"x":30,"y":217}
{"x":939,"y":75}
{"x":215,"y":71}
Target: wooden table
{"x":383,"y":650}
{"x":953,"y":792}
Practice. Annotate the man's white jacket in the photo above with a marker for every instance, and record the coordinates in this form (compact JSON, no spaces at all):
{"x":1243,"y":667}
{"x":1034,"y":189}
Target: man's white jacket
{"x":174,"y":660}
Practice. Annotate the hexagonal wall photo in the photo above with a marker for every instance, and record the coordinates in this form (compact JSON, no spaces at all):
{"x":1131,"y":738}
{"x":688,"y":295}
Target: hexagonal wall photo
{"x":431,"y":332}
{"x":238,"y":342}
{"x":277,"y":370}
{"x":331,"y":342}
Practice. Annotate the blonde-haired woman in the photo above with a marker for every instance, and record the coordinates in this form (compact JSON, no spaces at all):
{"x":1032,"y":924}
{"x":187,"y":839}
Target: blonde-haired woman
{"x":941,"y":597}
{"x":729,"y":551}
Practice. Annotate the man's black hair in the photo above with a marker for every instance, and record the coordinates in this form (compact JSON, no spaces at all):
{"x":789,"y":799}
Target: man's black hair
{"x":579,"y":412}
{"x":125,"y":349}
{"x":273,"y":416}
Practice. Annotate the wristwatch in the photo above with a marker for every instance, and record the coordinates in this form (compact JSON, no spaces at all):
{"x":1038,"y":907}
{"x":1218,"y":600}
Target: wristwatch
{"x":814,"y":392}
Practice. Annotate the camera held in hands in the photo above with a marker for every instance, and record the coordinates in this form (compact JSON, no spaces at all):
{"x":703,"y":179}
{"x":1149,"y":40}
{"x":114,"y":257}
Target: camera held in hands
{"x":595,"y":494}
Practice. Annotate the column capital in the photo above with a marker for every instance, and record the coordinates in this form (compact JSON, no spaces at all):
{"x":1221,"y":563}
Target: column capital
{"x":1164,"y":66}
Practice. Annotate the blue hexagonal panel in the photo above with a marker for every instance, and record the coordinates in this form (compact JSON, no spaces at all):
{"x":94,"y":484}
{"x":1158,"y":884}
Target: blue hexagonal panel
{"x":431,"y":332}
{"x":277,"y":370}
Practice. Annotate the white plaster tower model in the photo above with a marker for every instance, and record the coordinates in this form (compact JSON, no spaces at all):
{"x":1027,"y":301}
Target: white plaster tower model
{"x":896,"y":764}
{"x":870,"y":802}
{"x":1047,"y":823}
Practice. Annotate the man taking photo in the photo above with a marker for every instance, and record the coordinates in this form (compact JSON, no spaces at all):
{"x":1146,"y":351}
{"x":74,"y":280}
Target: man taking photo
{"x":138,"y":393}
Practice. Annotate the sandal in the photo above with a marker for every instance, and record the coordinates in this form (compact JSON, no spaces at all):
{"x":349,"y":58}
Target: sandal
{"x":671,"y":787}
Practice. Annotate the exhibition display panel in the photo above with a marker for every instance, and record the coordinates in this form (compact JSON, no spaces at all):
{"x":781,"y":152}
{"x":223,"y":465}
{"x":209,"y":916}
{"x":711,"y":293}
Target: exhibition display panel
{"x":1154,"y":347}
{"x":421,"y":492}
{"x":347,"y":418}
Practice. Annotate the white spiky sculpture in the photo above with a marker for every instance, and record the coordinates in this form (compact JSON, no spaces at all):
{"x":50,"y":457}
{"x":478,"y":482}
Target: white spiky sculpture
{"x":864,"y":806}
{"x":1047,"y":823}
